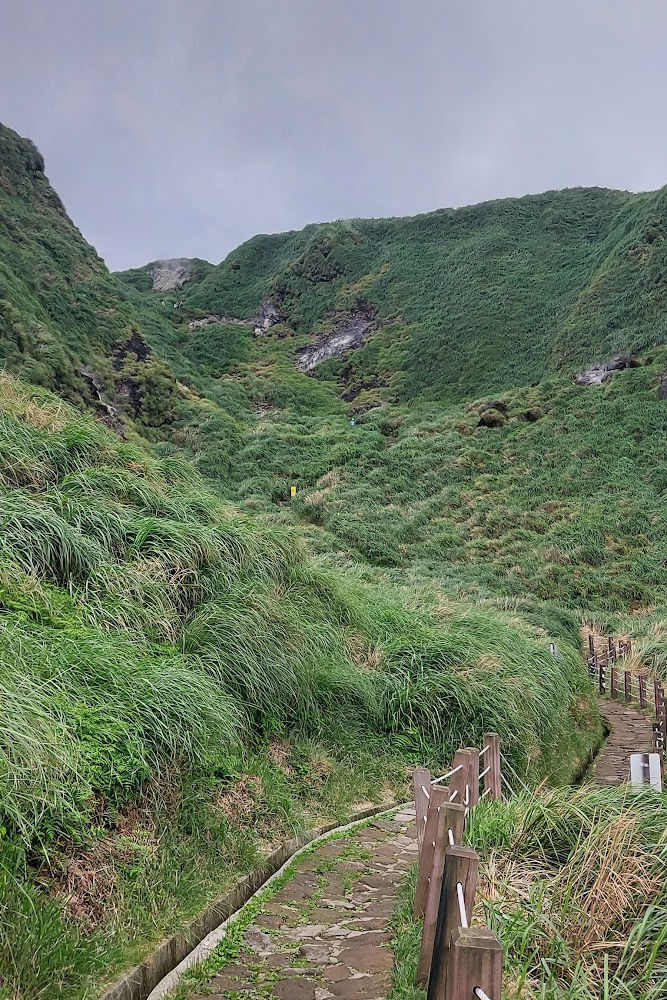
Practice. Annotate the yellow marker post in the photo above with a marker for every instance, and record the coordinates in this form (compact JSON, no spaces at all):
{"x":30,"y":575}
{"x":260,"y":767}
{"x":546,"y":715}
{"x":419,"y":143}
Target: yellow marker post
{"x":292,"y":491}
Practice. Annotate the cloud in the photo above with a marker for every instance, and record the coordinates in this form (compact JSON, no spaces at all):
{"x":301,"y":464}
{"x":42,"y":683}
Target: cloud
{"x":182,"y":127}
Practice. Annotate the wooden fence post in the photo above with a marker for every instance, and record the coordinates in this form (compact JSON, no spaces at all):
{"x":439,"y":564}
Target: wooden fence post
{"x":459,"y":780}
{"x":593,"y":667}
{"x":627,"y":684}
{"x":661,"y":711}
{"x":614,"y":682}
{"x":474,"y":961}
{"x":603,"y":686}
{"x":461,"y":865}
{"x":473,"y":778}
{"x":433,"y":835}
{"x":658,"y":741}
{"x":454,"y":818}
{"x":591,"y":644}
{"x":642,"y":691}
{"x":492,"y":759}
{"x":421,"y":779}
{"x":454,"y":821}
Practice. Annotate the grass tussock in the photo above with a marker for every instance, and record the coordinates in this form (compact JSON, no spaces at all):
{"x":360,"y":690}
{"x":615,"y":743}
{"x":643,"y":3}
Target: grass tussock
{"x":573,"y":882}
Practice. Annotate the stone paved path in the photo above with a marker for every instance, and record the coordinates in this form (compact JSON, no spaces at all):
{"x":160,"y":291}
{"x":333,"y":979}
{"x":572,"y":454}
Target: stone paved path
{"x":325,"y":933}
{"x":629,"y":732}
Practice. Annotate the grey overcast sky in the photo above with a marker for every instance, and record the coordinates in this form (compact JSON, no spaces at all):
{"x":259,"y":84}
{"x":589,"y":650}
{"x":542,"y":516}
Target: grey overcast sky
{"x":183,"y":127}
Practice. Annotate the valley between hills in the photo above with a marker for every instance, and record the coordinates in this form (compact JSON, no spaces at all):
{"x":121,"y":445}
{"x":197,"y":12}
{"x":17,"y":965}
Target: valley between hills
{"x":196,"y":664}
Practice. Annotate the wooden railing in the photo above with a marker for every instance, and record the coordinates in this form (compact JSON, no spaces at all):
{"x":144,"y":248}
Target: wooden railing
{"x":633,"y":688}
{"x":456,"y":961}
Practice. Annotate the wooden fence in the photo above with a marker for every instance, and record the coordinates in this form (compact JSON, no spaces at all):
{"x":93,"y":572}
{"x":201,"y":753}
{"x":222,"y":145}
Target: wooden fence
{"x":456,"y":961}
{"x":638,"y":689}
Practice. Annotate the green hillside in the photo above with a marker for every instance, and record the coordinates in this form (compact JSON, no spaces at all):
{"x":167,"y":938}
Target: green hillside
{"x":59,"y":307}
{"x":161,"y":650}
{"x":539,"y":487}
{"x":193,"y":664}
{"x":65,"y":322}
{"x":469,"y":300}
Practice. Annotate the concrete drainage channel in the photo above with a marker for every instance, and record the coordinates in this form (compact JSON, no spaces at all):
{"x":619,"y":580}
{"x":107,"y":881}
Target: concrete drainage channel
{"x":161,"y":972}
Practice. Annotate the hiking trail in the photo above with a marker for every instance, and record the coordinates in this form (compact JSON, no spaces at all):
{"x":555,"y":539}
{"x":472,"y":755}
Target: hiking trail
{"x":629,"y":732}
{"x":325,"y":931}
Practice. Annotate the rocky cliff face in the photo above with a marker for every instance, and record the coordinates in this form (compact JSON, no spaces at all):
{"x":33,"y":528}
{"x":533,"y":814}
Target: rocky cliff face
{"x":172,"y":273}
{"x":349,"y":332}
{"x":267,"y":317}
{"x":598,"y":373}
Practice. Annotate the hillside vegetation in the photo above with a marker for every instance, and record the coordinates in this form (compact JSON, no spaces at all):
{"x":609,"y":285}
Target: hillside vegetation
{"x":194,"y":665}
{"x":65,"y":322}
{"x":162,"y":651}
{"x":470,"y":300}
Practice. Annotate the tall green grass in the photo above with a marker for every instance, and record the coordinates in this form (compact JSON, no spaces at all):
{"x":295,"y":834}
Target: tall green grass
{"x":574,"y":884}
{"x":180,"y":622}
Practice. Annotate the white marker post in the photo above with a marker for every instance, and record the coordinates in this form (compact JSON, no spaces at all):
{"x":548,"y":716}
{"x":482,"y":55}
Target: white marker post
{"x":645,"y":770}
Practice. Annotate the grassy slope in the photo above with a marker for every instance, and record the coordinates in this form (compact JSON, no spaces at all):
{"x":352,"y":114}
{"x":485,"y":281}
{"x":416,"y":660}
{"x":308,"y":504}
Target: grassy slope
{"x":59,"y":306}
{"x":567,"y":506}
{"x":61,"y":310}
{"x":564,"y":503}
{"x":472,"y":300}
{"x":163,"y":653}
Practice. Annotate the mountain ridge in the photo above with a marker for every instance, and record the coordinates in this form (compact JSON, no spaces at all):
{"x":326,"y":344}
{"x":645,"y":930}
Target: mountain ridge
{"x":464,"y":301}
{"x":448,"y":275}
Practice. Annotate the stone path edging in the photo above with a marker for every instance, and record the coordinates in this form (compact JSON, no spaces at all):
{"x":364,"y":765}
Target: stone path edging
{"x":176,"y":952}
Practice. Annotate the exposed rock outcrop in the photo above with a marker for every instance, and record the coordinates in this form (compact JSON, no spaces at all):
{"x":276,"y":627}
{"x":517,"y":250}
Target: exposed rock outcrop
{"x":267,"y":317}
{"x":135,"y":344}
{"x":109,"y":414}
{"x":662,"y":387}
{"x":349,"y":332}
{"x":598,"y":373}
{"x":199,"y":324}
{"x":170,"y":273}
